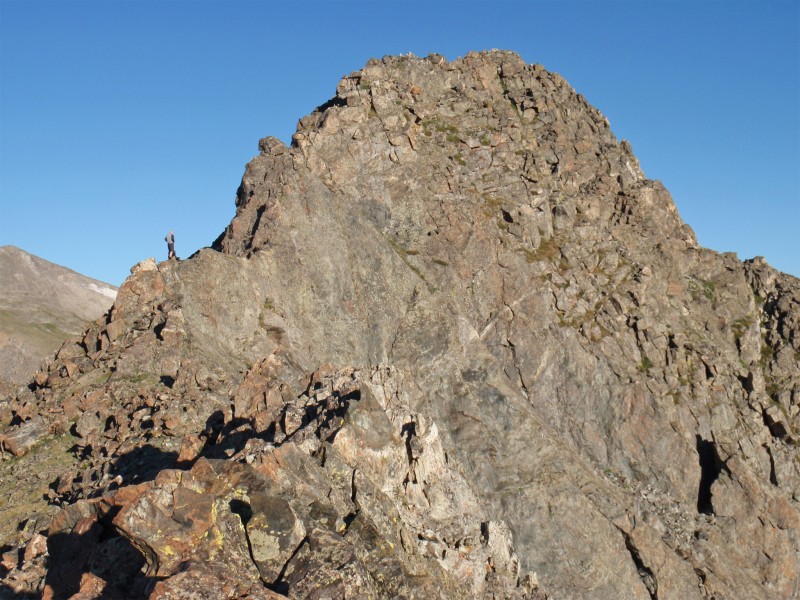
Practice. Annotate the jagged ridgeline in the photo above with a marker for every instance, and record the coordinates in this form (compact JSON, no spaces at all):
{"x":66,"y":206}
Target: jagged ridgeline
{"x":454,"y":344}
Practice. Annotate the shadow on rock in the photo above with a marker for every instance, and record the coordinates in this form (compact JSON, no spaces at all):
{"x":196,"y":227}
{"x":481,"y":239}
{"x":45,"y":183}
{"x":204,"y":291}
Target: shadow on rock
{"x":144,"y":463}
{"x":6,"y":593}
{"x":224,"y":440}
{"x":92,"y":558}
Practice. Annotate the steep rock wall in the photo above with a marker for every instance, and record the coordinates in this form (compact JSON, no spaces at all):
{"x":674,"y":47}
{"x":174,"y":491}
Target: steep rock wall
{"x":622,"y":401}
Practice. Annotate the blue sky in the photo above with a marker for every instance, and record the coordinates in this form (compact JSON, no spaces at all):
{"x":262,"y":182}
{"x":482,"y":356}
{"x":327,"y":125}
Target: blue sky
{"x":122,"y":120}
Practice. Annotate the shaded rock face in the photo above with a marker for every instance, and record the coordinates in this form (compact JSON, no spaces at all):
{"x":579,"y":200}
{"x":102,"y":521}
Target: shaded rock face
{"x":453,"y":344}
{"x":41,"y":305}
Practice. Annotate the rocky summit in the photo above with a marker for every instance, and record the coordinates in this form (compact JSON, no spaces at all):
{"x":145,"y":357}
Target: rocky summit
{"x":453,"y":344}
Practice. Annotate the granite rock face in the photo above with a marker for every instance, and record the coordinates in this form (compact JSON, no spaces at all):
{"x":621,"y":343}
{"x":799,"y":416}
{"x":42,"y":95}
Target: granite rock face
{"x":453,"y":344}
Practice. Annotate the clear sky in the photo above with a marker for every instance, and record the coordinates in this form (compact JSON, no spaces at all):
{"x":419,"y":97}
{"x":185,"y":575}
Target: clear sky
{"x":122,"y":120}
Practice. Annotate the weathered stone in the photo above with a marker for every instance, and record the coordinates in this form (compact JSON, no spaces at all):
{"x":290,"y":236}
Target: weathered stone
{"x":274,"y":534}
{"x":191,"y":447}
{"x":10,"y":559}
{"x":23,"y":437}
{"x":35,"y":547}
{"x":88,"y":423}
{"x":91,"y":588}
{"x":453,"y":344}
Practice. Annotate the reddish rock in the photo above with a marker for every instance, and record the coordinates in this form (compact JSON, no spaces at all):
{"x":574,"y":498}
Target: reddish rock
{"x":23,"y":437}
{"x":116,"y":329}
{"x":91,"y":588}
{"x":69,"y":551}
{"x":10,"y":559}
{"x":197,"y":582}
{"x":191,"y":447}
{"x":35,"y":547}
{"x":40,"y":378}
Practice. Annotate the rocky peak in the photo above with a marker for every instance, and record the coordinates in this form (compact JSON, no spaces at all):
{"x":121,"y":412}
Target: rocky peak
{"x":453,"y":343}
{"x":488,"y":133}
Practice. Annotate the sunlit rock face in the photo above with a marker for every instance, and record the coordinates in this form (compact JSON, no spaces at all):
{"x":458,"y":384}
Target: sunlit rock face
{"x":453,"y":344}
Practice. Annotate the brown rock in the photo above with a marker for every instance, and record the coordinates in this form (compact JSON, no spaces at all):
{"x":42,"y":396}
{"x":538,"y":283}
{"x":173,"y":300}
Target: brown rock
{"x":274,"y":533}
{"x":88,"y":423}
{"x":23,"y":437}
{"x":35,"y":547}
{"x":469,"y":345}
{"x":10,"y":559}
{"x":91,"y":588}
{"x":191,"y":447}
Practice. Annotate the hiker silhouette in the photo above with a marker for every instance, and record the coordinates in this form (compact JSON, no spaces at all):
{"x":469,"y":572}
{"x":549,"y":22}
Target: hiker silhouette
{"x":170,"y":239}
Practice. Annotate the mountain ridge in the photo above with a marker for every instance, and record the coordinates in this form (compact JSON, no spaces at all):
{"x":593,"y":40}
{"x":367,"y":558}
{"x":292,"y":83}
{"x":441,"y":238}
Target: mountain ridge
{"x":457,"y":307}
{"x":42,"y":304}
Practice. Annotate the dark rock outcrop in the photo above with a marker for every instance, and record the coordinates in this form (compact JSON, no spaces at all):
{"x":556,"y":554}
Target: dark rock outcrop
{"x":454,"y":343}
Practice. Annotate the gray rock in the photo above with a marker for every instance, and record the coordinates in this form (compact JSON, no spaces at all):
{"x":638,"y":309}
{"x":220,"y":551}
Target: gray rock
{"x":476,"y":352}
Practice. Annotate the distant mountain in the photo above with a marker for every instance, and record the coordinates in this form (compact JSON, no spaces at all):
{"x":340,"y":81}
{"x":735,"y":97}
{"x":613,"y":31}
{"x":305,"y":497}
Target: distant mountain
{"x":41,"y":305}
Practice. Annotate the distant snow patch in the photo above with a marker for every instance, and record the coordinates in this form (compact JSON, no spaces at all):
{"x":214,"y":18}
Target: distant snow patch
{"x":108,"y":292}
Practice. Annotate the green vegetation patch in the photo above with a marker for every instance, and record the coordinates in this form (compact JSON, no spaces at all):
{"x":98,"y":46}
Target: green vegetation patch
{"x":24,"y":496}
{"x":135,"y":379}
{"x":548,"y":250}
{"x":645,"y":365}
{"x":702,"y":288}
{"x":740,"y":326}
{"x":45,"y":335}
{"x":404,"y":253}
{"x":431,"y":125}
{"x":767,"y":356}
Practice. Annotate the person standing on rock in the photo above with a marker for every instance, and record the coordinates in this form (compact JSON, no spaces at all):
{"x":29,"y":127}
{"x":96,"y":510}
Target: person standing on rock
{"x":170,"y":239}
